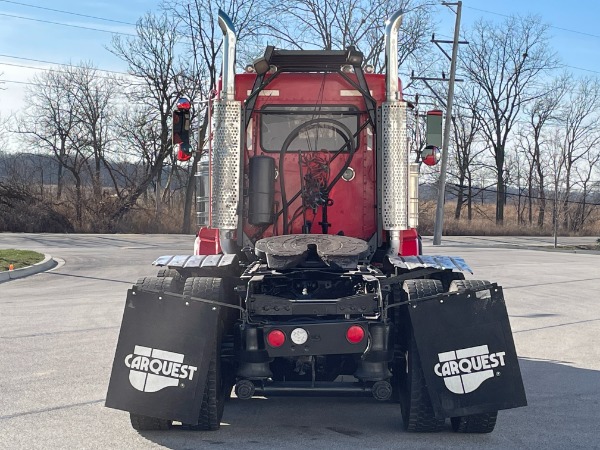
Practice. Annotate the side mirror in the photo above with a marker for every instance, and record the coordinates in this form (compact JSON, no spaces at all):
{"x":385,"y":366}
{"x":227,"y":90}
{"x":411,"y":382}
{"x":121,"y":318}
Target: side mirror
{"x":433,"y":136}
{"x":181,"y":130}
{"x":431,"y":155}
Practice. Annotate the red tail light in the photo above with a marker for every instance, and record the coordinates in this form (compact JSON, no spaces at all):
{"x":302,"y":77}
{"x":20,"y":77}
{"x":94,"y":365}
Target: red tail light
{"x":275,"y":338}
{"x":355,"y":334}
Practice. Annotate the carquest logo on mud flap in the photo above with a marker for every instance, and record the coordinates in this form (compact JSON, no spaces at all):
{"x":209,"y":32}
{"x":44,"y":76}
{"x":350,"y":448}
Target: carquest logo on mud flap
{"x":151,"y":369}
{"x":464,"y":370}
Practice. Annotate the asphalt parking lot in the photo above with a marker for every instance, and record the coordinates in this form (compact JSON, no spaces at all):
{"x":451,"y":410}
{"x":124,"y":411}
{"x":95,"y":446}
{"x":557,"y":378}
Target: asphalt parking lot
{"x":58,"y":332}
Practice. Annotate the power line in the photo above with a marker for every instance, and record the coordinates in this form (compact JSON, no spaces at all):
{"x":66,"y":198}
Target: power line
{"x":66,"y":24}
{"x":52,"y":69}
{"x":67,"y":12}
{"x":551,"y":26}
{"x":57,"y":64}
{"x":19,"y":82}
{"x":583,"y":33}
{"x":581,"y":68}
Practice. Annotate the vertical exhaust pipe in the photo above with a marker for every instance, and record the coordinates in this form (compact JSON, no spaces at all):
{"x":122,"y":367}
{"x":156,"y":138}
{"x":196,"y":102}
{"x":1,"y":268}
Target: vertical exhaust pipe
{"x":391,"y":55}
{"x":229,"y":44}
{"x":394,"y":145}
{"x":227,"y":146}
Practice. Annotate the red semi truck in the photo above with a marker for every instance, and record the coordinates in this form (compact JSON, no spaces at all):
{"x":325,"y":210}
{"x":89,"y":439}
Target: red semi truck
{"x":307,"y":268}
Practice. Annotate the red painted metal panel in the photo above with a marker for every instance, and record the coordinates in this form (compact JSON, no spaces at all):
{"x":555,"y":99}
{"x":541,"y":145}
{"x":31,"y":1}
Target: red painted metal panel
{"x":353,"y":211}
{"x":410,"y":242}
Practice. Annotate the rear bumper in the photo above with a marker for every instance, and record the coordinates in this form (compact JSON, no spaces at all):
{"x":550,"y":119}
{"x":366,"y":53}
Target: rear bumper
{"x":373,"y":352}
{"x":322,"y":339}
{"x":325,"y":338}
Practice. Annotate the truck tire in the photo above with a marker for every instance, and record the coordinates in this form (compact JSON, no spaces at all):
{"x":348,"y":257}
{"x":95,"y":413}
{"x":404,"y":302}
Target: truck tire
{"x":178,"y":279}
{"x":213,"y":401}
{"x":145,"y":423}
{"x":164,"y":284}
{"x":475,"y":423}
{"x":417,"y":411}
{"x":463,"y":285}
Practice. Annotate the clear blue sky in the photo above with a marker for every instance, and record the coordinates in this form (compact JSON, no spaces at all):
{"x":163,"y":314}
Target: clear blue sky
{"x":38,"y":40}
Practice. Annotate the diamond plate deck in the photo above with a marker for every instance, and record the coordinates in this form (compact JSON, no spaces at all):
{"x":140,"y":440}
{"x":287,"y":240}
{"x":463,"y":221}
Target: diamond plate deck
{"x":434,"y":261}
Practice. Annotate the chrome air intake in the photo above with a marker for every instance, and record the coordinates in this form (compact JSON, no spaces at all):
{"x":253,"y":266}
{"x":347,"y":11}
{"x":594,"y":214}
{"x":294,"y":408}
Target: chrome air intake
{"x":394,"y":145}
{"x":227,"y":135}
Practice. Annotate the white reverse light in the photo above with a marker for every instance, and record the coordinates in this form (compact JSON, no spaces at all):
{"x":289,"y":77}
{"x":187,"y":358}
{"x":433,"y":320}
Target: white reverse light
{"x":299,"y":336}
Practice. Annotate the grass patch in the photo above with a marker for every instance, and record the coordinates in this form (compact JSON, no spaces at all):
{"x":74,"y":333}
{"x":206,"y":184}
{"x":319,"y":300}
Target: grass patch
{"x":19,"y":258}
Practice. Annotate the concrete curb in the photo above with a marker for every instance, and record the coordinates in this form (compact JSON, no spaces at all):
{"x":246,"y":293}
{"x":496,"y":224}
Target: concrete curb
{"x":47,"y":264}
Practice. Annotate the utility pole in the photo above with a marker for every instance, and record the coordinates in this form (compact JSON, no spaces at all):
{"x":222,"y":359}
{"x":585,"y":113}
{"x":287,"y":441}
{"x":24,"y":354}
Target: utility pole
{"x":439,"y":214}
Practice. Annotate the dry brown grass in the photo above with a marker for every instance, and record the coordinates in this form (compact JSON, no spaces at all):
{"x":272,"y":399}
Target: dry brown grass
{"x":145,"y":220}
{"x":484,"y":222}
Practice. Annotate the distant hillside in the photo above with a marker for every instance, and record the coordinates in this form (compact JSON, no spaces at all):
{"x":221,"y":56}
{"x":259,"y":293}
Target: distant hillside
{"x":42,"y":169}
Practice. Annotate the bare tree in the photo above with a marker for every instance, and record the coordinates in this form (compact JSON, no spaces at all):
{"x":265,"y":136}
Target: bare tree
{"x":337,"y":24}
{"x":3,"y":134}
{"x":585,"y":184}
{"x":540,"y":114}
{"x":580,"y":132}
{"x":94,"y":97}
{"x":556,"y":162}
{"x":69,"y":117}
{"x":156,"y":82}
{"x":202,"y":43}
{"x":505,"y":60}
{"x":466,"y":132}
{"x":49,"y":123}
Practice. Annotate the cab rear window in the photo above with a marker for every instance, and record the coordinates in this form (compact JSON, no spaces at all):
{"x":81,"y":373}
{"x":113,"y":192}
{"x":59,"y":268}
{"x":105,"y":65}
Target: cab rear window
{"x":277,"y":122}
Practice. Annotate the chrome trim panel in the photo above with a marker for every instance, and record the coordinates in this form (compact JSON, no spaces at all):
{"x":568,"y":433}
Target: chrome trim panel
{"x":434,"y":261}
{"x":226,"y":164}
{"x":394,"y":166}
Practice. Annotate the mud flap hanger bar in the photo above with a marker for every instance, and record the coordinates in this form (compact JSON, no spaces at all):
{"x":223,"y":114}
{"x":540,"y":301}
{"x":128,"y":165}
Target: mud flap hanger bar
{"x":398,"y":279}
{"x":442,"y":297}
{"x":197,"y":299}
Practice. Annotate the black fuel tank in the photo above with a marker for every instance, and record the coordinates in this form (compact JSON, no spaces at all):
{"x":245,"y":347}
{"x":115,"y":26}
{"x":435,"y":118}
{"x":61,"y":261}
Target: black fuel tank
{"x":261,"y":193}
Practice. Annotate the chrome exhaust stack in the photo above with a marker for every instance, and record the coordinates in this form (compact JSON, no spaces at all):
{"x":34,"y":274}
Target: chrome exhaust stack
{"x":391,"y":55}
{"x":394,"y":145}
{"x":229,"y":45}
{"x":227,"y":144}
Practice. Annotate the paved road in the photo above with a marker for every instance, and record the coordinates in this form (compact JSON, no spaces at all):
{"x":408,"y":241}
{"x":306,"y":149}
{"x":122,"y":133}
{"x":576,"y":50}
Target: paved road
{"x":58,"y":331}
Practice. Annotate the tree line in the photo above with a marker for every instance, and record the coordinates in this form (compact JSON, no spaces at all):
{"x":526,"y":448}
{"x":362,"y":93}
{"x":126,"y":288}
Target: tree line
{"x":520,"y":123}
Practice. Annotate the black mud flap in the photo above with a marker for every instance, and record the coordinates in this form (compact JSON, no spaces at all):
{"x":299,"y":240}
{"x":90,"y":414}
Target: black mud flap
{"x":162,"y":357}
{"x":467,"y":352}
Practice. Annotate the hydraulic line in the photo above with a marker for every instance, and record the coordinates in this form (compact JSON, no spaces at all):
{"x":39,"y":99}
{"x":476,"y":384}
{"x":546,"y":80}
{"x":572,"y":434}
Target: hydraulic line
{"x":335,"y":125}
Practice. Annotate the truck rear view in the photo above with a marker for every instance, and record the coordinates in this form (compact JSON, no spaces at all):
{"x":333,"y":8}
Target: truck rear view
{"x":307,"y":276}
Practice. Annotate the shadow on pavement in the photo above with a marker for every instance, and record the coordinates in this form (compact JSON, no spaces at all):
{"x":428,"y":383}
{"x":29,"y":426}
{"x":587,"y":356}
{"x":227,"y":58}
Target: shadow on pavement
{"x":563,"y":412}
